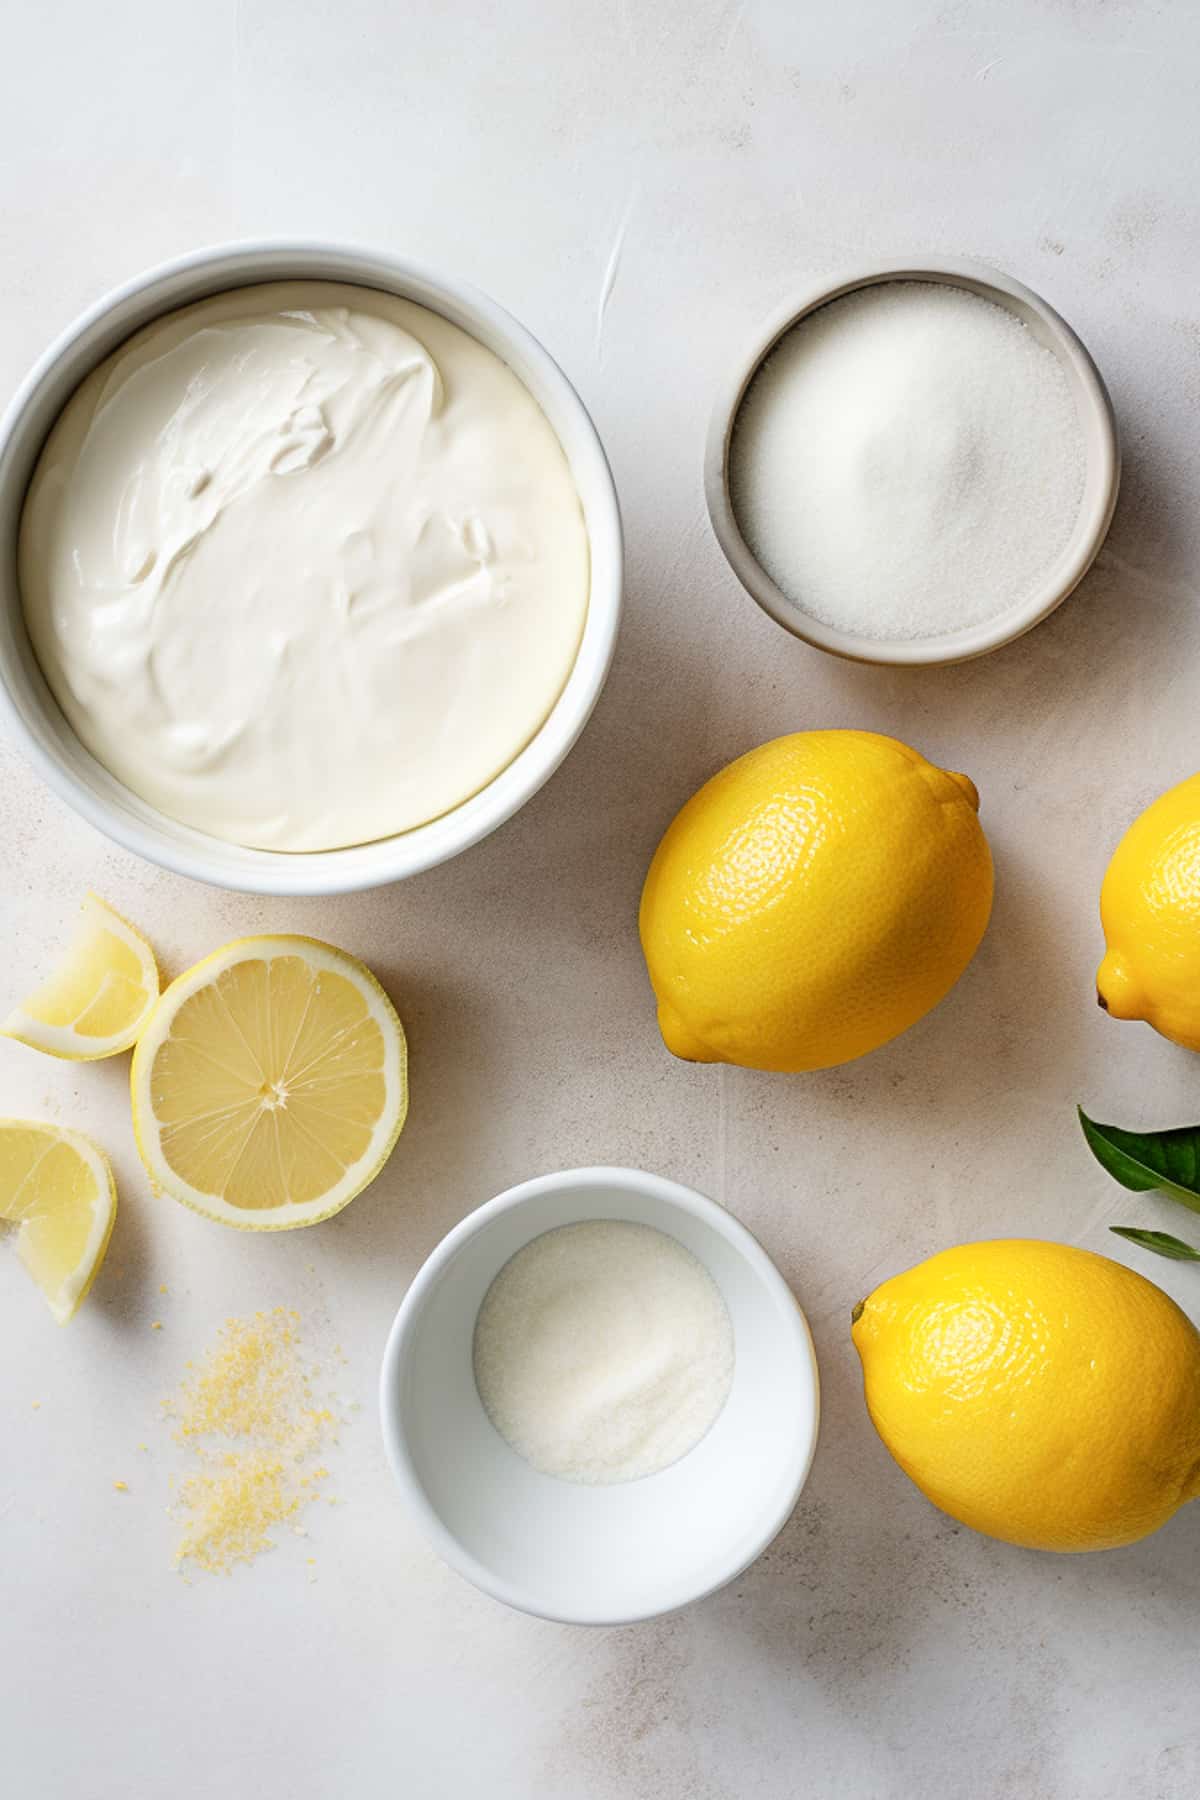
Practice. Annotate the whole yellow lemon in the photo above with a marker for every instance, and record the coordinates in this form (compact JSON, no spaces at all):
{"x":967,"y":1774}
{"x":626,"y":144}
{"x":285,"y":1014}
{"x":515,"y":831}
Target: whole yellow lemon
{"x":812,"y":901}
{"x":1150,"y":910}
{"x":1035,"y":1392}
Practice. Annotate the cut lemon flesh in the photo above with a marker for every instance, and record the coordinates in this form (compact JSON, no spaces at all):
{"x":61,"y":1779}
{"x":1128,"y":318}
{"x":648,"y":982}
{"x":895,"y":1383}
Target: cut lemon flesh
{"x":57,"y":1192}
{"x":100,"y":996}
{"x":270,"y":1083}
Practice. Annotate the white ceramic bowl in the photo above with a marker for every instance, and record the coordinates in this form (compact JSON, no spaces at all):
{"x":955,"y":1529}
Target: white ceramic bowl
{"x":1101,"y":480}
{"x":598,"y":1555}
{"x":32,"y":712}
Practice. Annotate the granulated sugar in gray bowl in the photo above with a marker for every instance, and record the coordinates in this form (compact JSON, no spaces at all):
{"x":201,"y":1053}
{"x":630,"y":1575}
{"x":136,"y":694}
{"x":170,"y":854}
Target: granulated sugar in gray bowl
{"x":913,"y":466}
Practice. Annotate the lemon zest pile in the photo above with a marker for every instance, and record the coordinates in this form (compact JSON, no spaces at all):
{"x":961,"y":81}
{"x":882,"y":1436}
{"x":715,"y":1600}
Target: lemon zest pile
{"x":249,"y":1417}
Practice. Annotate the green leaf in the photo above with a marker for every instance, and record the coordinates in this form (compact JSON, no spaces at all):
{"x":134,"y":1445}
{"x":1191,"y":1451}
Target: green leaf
{"x":1161,"y":1242}
{"x":1142,"y":1160}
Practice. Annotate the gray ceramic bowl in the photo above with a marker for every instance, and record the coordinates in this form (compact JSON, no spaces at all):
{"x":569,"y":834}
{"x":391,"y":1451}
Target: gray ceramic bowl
{"x":1101,"y":479}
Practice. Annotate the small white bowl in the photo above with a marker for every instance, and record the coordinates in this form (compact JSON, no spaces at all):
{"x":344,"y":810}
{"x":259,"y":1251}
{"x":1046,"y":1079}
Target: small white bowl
{"x":33,"y":714}
{"x":1101,"y":479}
{"x":616,"y":1554}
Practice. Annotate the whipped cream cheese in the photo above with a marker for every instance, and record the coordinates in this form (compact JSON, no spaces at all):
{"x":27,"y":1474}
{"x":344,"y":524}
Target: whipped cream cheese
{"x":304,"y":565}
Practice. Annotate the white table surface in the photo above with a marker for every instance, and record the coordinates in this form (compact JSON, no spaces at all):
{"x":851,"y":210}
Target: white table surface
{"x":641,"y":183}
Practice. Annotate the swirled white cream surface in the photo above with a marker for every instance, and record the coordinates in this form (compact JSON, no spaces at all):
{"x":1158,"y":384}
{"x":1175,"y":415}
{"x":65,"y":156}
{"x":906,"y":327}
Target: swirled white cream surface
{"x":304,"y":565}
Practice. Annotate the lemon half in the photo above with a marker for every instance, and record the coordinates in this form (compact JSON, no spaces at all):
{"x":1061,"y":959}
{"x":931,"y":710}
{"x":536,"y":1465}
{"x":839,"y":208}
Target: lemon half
{"x":57,"y":1190}
{"x":270,"y":1083}
{"x":98,"y":999}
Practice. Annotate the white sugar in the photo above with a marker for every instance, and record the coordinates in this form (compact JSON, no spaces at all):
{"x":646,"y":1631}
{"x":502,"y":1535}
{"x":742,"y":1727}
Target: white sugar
{"x":908,"y":461}
{"x":603,"y":1351}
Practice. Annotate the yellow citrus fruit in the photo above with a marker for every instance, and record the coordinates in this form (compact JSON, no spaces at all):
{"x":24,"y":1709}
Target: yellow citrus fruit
{"x":812,"y":901}
{"x":1150,"y":910}
{"x":270,"y":1084}
{"x":57,"y":1191}
{"x":98,"y":999}
{"x":1036,"y":1392}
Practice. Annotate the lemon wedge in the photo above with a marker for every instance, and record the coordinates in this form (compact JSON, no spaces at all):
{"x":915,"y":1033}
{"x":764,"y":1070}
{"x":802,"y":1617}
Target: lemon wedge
{"x":57,"y":1190}
{"x":270,"y":1083}
{"x":98,"y":998}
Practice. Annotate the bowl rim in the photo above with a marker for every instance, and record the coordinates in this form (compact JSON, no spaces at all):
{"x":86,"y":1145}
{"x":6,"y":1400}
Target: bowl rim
{"x":671,"y":1195}
{"x":1101,"y":449}
{"x":181,"y":849}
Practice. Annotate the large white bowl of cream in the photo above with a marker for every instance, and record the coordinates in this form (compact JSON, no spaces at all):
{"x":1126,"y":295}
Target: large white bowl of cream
{"x":310,"y":567}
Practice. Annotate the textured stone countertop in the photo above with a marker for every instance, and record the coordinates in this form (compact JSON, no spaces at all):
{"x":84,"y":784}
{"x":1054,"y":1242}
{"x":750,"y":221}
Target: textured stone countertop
{"x":641,"y":184}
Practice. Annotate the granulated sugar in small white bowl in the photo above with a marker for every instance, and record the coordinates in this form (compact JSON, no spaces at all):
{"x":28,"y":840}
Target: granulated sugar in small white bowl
{"x":603,"y":1351}
{"x":659,"y":1482}
{"x":915,"y":466}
